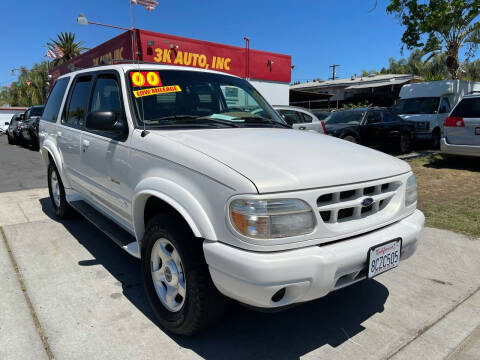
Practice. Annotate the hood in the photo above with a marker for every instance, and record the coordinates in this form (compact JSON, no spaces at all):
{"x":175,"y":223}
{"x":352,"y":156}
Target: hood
{"x":285,"y":160}
{"x":418,"y":117}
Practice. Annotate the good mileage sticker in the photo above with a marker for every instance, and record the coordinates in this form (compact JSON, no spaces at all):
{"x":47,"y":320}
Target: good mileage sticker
{"x":157,"y":90}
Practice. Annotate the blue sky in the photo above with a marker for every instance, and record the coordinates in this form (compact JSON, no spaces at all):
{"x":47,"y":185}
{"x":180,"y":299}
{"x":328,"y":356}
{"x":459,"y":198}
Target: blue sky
{"x":316,"y":33}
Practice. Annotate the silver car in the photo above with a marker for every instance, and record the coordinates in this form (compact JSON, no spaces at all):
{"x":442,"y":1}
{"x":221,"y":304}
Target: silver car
{"x":300,"y":118}
{"x":462,"y":128}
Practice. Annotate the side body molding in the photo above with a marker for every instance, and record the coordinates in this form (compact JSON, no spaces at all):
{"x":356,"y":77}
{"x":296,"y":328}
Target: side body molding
{"x":179,"y":198}
{"x":49,"y":148}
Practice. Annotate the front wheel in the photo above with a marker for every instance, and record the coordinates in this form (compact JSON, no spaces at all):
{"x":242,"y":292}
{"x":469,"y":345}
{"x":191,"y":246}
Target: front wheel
{"x":436,"y":139}
{"x":405,"y":143}
{"x":176,"y":278}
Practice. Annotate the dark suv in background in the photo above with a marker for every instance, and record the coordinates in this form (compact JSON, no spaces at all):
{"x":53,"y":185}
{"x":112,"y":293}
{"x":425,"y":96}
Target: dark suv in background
{"x":29,"y":132}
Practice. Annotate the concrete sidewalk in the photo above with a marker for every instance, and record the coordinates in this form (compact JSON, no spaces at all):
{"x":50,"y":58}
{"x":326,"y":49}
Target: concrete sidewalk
{"x":88,"y":297}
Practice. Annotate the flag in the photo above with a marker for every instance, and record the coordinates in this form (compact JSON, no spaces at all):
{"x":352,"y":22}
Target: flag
{"x":147,"y":4}
{"x":54,"y":52}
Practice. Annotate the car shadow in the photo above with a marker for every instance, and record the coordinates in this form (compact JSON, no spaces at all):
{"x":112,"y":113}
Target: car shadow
{"x":244,"y":333}
{"x":440,"y":161}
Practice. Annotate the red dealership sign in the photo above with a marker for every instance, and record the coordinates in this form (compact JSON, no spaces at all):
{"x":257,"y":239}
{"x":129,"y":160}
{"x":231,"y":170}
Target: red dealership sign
{"x":174,"y":50}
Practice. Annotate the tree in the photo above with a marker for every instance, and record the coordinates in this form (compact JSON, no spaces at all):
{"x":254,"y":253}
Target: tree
{"x":440,"y":26}
{"x":70,"y":48}
{"x":29,"y":89}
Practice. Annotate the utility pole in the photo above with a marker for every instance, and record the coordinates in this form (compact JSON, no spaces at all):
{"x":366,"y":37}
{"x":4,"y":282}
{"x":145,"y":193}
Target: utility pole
{"x":334,"y":67}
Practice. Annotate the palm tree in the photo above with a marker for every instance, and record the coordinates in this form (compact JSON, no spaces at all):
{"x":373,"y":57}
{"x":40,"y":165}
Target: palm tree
{"x":66,"y":42}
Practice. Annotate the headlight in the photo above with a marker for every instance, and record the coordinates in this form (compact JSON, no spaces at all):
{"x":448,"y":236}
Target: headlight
{"x":411,"y":191}
{"x":267,"y":219}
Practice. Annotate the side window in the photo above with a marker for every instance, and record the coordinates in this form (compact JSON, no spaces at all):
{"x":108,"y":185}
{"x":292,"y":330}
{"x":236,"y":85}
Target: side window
{"x":374,"y":117}
{"x":444,"y":106}
{"x":307,"y":118}
{"x":388,"y":117}
{"x":77,"y":107}
{"x":291,"y":117}
{"x":106,"y":95}
{"x":55,"y":100}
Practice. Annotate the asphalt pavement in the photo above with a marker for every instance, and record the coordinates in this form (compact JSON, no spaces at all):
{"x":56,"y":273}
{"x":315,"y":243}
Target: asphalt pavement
{"x":21,"y":168}
{"x":68,"y":292}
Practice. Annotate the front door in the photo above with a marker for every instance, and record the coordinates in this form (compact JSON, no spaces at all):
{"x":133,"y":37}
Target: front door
{"x":104,"y":156}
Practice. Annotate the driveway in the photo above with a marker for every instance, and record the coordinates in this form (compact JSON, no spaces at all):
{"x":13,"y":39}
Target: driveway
{"x":68,"y":292}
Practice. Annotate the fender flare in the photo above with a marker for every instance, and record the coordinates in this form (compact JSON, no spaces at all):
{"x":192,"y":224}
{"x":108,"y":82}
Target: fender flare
{"x":48,"y":148}
{"x":178,"y":198}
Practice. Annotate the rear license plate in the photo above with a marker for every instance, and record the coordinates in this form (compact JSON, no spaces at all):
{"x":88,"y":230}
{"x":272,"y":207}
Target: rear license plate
{"x":384,"y":257}
{"x":477,"y":131}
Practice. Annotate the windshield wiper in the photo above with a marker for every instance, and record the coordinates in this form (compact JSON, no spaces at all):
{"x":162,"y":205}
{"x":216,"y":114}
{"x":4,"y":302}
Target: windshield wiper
{"x":189,"y":123}
{"x":174,"y":117}
{"x":256,"y":117}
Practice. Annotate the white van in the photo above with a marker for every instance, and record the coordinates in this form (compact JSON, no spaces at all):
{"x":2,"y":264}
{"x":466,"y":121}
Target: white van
{"x":427,"y":104}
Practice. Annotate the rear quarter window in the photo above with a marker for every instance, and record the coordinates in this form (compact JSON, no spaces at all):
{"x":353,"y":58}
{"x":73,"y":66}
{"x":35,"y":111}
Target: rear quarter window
{"x":52,"y":108}
{"x":468,"y":108}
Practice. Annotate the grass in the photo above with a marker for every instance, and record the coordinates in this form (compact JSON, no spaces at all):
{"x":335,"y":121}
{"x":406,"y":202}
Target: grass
{"x":449,"y":192}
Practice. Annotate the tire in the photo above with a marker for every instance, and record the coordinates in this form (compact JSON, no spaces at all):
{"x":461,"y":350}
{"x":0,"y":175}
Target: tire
{"x":57,"y":193}
{"x":435,"y":143}
{"x":405,"y":143}
{"x":10,"y":140}
{"x":197,"y":304}
{"x":350,"y":138}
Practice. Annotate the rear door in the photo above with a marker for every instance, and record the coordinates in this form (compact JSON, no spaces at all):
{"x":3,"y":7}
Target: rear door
{"x":468,"y":132}
{"x":70,"y":129}
{"x":310,"y":123}
{"x":292,"y":118}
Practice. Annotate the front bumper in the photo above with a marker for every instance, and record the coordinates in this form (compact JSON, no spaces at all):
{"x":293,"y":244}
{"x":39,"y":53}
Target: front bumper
{"x":423,"y":136}
{"x":307,"y":273}
{"x":462,"y":150}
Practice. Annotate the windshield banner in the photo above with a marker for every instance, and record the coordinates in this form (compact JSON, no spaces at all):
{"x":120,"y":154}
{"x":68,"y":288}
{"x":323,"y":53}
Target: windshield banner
{"x":157,"y":90}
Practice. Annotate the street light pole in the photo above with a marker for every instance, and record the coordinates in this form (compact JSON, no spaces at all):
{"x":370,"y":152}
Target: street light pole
{"x":82,"y":20}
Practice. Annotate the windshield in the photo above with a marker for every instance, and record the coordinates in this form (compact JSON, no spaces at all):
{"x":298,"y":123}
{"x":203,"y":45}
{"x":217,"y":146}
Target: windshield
{"x":345,"y":117}
{"x":36,"y":111}
{"x":173,"y":98}
{"x":423,"y":105}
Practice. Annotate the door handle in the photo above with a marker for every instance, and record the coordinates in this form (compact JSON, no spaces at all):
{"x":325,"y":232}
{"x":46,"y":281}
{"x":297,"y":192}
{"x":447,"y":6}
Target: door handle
{"x":85,"y":144}
{"x":302,"y":128}
{"x":59,"y":133}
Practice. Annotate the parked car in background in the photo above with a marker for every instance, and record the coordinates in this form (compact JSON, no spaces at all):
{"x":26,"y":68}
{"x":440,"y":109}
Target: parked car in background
{"x":14,"y":122}
{"x":427,"y":104}
{"x":300,"y":118}
{"x":373,"y":127}
{"x":30,"y":130}
{"x":462,"y":128}
{"x":321,"y":114}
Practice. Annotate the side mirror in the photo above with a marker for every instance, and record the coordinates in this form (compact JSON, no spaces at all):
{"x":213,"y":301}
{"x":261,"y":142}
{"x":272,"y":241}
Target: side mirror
{"x":104,"y":121}
{"x":7,"y":123}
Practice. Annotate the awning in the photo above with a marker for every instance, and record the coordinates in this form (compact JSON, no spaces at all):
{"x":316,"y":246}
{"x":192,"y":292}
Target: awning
{"x":297,"y":95}
{"x":378,"y":84}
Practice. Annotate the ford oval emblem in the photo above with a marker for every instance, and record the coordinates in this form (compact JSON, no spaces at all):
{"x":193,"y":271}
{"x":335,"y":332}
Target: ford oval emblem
{"x":367,"y":202}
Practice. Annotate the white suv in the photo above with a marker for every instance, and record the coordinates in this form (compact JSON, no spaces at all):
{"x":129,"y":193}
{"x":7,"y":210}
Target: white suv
{"x":193,"y":172}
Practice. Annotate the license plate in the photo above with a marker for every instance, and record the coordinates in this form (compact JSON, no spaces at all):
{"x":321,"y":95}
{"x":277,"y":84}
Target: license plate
{"x":384,"y":257}
{"x":477,"y":131}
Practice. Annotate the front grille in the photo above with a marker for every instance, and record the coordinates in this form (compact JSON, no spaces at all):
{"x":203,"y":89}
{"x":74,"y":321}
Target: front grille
{"x":346,"y":205}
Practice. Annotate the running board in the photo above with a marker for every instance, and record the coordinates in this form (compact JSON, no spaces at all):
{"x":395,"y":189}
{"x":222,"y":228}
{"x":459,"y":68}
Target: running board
{"x":120,"y":236}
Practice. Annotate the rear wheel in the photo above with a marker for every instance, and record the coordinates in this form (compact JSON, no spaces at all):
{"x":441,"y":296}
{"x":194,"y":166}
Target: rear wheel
{"x":176,"y":278}
{"x":10,"y":140}
{"x":57,"y":193}
{"x":405,"y":143}
{"x":350,"y":138}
